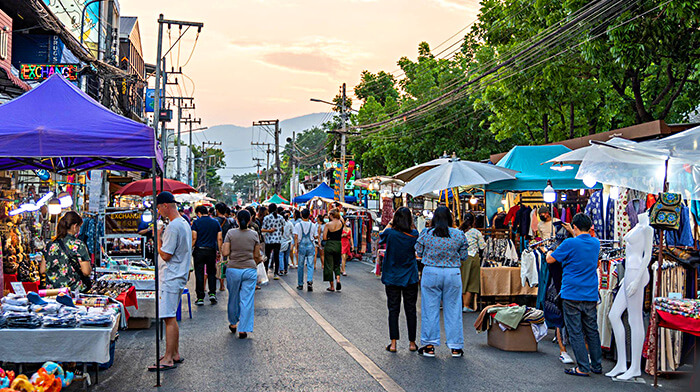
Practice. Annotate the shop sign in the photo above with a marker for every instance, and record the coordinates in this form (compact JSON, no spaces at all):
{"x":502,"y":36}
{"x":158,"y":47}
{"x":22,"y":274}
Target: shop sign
{"x":44,"y":71}
{"x":126,"y":222}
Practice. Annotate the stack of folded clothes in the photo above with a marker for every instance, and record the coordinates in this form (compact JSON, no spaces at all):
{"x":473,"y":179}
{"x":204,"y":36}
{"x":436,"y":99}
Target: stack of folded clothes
{"x":682,"y":307}
{"x":22,"y":320}
{"x":64,"y":320}
{"x":96,"y":318}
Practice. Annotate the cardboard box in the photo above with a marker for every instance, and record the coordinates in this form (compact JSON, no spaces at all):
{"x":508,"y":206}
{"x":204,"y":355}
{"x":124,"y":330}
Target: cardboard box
{"x":138,"y":323}
{"x":519,"y":339}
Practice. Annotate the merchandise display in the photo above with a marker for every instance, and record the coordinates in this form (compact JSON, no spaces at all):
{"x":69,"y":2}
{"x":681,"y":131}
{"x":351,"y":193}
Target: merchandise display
{"x":49,"y":378}
{"x":22,"y":312}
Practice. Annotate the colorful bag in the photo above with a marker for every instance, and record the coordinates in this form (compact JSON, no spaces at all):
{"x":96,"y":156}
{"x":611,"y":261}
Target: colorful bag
{"x":666,"y":212}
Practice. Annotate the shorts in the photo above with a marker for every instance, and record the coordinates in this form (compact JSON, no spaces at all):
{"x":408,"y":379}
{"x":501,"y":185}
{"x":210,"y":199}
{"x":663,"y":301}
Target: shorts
{"x":168,"y":303}
{"x":471,"y":274}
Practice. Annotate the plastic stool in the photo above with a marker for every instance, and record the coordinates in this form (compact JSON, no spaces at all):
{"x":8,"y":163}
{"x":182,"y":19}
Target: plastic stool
{"x":178,"y":316}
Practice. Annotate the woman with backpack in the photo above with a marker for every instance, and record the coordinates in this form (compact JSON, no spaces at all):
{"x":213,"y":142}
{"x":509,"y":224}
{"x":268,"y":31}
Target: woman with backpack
{"x":67,"y":262}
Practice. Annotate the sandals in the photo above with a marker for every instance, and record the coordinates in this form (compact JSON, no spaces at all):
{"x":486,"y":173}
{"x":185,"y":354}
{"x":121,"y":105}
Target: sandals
{"x":330,"y":289}
{"x":388,"y":348}
{"x":575,"y":372}
{"x":153,"y":367}
{"x":427,"y":351}
{"x":413,"y":348}
{"x":338,"y":286}
{"x":457,"y":353}
{"x":242,"y":335}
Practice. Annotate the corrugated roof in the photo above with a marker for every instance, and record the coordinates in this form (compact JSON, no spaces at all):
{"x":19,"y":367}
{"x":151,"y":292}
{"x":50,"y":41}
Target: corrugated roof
{"x":126,"y":24}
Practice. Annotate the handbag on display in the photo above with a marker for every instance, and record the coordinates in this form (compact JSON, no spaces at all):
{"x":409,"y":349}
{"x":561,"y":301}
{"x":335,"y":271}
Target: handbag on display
{"x":666,"y":212}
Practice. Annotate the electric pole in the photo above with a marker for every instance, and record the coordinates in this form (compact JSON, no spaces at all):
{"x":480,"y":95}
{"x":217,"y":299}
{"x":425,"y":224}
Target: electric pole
{"x":206,"y":162}
{"x":268,"y":151}
{"x":180,"y":108}
{"x":293,"y":181}
{"x":342,"y":147}
{"x":190,"y":156}
{"x":276,"y":135}
{"x":257,"y":179}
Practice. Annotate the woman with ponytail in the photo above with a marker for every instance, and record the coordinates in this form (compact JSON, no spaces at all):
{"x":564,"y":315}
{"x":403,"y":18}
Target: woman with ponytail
{"x":242,"y":246}
{"x":67,"y":261}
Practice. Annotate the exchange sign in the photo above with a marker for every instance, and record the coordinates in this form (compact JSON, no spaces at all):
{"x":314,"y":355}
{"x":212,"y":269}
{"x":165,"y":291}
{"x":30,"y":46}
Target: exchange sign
{"x":44,"y":71}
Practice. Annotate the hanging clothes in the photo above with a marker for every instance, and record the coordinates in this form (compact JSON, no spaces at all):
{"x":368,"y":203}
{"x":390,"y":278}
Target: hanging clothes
{"x":622,"y":221}
{"x":522,"y":221}
{"x":534,"y":221}
{"x":634,"y":208}
{"x":603,"y":221}
{"x":684,"y":235}
{"x":510,"y":216}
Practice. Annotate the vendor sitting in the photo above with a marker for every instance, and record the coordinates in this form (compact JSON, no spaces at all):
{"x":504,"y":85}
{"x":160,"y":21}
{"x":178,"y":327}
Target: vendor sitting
{"x":67,"y":260}
{"x":546,"y":228}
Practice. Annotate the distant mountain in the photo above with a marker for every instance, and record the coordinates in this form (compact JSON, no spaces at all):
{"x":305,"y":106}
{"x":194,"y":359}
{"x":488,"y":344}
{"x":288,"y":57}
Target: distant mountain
{"x":236,"y":141}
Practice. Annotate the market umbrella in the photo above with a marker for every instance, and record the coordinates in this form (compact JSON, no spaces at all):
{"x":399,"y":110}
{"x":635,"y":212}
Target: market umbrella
{"x":414,"y":171}
{"x":456,"y":173}
{"x":145,"y":187}
{"x":277,"y":199}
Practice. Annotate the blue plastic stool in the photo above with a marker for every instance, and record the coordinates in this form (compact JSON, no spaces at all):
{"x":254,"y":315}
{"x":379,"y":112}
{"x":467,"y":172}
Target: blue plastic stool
{"x":178,"y":316}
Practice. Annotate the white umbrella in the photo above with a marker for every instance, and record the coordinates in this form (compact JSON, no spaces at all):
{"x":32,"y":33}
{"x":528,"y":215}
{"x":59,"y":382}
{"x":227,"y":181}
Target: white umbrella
{"x":414,"y":171}
{"x":456,"y":173}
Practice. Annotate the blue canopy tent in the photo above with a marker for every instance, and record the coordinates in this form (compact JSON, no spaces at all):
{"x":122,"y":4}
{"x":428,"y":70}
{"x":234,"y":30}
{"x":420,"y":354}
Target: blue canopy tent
{"x":323,"y":190}
{"x":533,"y":174}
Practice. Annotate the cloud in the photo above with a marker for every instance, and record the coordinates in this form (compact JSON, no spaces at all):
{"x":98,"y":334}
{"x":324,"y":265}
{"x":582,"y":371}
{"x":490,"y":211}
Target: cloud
{"x":305,"y":62}
{"x":459,"y":4}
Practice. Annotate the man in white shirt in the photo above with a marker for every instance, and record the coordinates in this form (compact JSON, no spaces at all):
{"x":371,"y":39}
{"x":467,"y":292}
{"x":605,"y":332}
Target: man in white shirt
{"x":304,"y":234}
{"x":175,"y":255}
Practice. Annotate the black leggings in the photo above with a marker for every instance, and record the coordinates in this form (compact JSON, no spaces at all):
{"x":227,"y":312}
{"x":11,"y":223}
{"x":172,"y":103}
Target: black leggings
{"x":393,"y":302}
{"x":202,"y":258}
{"x":274,"y":261}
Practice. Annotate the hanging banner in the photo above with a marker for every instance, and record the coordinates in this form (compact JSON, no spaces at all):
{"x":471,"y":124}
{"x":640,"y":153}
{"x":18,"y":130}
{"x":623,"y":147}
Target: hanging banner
{"x":94,"y":187}
{"x":126,"y":222}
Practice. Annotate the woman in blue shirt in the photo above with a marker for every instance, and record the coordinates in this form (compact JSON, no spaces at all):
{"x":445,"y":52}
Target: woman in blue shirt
{"x":400,"y":275}
{"x":442,"y":248}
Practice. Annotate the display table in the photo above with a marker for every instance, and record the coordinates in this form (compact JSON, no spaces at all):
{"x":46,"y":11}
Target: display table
{"x":503,"y":281}
{"x":90,"y":345}
{"x":146,"y":305}
{"x":139,"y":284}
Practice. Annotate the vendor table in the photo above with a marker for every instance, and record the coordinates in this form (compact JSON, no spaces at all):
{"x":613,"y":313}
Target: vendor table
{"x":140,"y":285}
{"x":146,"y":305}
{"x":91,"y":345}
{"x":503,"y":281}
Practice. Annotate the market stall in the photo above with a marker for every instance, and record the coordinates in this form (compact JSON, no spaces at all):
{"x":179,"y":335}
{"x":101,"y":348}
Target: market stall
{"x":77,"y":134}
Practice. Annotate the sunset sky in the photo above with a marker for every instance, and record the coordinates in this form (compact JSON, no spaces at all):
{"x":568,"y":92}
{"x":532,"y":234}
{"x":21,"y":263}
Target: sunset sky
{"x":264,"y":59}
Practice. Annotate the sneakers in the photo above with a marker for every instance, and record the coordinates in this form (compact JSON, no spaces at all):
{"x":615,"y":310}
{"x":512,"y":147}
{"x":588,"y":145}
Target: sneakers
{"x":199,"y":302}
{"x":212,"y":299}
{"x":427,"y":351}
{"x":457,"y":353}
{"x":309,"y":286}
{"x":300,"y":287}
{"x":277,"y":277}
{"x":565,"y":358}
{"x":467,"y":310}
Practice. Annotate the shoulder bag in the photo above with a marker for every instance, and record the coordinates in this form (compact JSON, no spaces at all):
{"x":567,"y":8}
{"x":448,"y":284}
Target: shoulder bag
{"x":665,"y":214}
{"x":75,"y":264}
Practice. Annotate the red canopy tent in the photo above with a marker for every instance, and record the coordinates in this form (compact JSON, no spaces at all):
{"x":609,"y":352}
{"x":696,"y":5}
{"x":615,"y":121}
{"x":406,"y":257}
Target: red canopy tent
{"x":145,"y":187}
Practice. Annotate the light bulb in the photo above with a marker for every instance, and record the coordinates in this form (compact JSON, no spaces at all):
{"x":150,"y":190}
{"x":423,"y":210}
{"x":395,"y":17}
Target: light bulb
{"x":473,"y":200}
{"x":614,"y":192}
{"x":589,"y":181}
{"x":581,"y":192}
{"x":54,"y":206}
{"x":504,"y":201}
{"x":549,"y":195}
{"x":65,"y":199}
{"x":147,"y":216}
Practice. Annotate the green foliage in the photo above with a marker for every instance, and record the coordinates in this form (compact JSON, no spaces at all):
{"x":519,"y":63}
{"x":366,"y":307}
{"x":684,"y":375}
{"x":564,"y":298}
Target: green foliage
{"x":207,"y":162}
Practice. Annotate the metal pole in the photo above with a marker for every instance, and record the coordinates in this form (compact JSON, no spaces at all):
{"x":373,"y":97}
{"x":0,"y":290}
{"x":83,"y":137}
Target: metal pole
{"x":292,"y":186}
{"x":278,"y":172}
{"x":156,"y":99}
{"x":177,"y":145}
{"x":342,"y":148}
{"x":156,"y":256}
{"x":190,"y":159}
{"x":163,"y":132}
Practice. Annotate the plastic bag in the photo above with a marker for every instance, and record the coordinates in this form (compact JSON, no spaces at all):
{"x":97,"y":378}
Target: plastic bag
{"x":262,"y":275}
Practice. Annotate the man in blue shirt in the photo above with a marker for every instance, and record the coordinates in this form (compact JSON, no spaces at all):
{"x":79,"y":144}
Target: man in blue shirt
{"x":579,"y":292}
{"x":206,"y":240}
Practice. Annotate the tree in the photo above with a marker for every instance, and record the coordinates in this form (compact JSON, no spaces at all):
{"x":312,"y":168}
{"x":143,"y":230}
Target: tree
{"x":207,"y":162}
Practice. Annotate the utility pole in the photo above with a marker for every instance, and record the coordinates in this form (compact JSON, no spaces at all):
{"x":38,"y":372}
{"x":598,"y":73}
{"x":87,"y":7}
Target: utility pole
{"x":276,"y":135}
{"x":268,"y":151}
{"x":190,"y":152}
{"x":293,"y":181}
{"x":342,"y":147}
{"x":206,"y":161}
{"x":180,"y":108}
{"x":257,"y":180}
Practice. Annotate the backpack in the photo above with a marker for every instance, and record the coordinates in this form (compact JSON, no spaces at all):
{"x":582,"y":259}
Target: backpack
{"x":225,"y":225}
{"x":666,"y":212}
{"x":306,"y":237}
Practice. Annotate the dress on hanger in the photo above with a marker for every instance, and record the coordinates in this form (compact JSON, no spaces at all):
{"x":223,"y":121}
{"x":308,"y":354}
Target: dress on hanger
{"x":604,"y":227}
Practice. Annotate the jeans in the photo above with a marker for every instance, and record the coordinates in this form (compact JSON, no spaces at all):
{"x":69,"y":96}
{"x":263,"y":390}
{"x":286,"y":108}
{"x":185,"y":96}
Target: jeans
{"x":284,"y":259}
{"x":204,"y":257}
{"x":305,"y":258}
{"x":393,"y":302}
{"x":441,"y":284}
{"x":581,"y":319}
{"x":272,"y":251}
{"x":241,"y":297}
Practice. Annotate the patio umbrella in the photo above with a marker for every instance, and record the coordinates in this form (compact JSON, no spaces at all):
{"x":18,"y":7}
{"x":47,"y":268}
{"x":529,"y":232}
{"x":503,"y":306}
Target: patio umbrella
{"x":456,"y":173}
{"x":414,"y":171}
{"x":145,"y":187}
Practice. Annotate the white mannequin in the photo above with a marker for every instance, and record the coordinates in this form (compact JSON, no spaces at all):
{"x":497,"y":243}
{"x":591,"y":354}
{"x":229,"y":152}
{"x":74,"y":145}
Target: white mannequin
{"x":638,"y":243}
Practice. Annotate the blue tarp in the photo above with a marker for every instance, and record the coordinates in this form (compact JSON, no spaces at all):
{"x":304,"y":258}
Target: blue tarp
{"x":322,"y":190}
{"x":533,"y":175}
{"x":56,"y":126}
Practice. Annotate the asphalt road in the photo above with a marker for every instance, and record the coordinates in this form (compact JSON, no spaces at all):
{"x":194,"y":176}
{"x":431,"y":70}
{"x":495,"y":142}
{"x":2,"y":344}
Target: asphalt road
{"x":326,"y":341}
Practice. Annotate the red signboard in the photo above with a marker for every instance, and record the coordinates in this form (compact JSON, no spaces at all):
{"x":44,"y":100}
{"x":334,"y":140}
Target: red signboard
{"x":44,"y":71}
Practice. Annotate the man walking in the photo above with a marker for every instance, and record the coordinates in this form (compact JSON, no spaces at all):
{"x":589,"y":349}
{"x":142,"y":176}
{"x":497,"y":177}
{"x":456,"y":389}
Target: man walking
{"x":174,"y":250}
{"x":304,"y":234}
{"x":579,"y":291}
{"x":207,"y":240}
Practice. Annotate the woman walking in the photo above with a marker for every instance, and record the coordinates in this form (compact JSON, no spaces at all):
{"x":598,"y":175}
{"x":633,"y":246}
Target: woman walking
{"x":331,"y":250}
{"x":471,"y":267}
{"x":442,"y":249}
{"x":400,"y":275}
{"x":242,"y":247}
{"x":346,"y":248}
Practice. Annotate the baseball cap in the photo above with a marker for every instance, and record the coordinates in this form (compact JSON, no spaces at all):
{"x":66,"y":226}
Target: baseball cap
{"x":165,"y":198}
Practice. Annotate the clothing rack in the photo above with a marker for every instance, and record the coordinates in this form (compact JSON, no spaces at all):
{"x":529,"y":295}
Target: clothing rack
{"x":547,"y":241}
